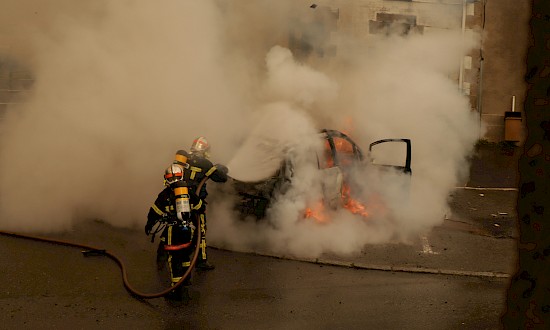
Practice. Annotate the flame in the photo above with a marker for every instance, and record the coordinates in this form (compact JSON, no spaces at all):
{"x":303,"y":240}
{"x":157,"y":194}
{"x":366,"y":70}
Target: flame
{"x":345,"y":152}
{"x":317,"y":211}
{"x":342,"y":145}
{"x":353,"y":205}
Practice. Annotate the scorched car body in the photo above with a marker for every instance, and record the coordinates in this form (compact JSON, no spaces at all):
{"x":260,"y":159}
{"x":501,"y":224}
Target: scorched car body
{"x":340,"y":154}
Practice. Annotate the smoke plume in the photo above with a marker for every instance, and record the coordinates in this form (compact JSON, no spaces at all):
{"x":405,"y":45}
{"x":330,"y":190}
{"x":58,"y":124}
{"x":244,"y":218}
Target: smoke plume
{"x":121,"y":85}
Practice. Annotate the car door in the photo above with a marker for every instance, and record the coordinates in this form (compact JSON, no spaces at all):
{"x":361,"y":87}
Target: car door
{"x":391,"y":153}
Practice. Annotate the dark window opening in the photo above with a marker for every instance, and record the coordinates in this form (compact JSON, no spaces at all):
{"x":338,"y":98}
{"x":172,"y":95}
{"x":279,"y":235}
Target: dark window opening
{"x":396,"y":24}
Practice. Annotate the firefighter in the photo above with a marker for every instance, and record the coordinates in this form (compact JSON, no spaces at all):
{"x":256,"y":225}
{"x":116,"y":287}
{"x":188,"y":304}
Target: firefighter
{"x":197,"y":167}
{"x":175,"y":245}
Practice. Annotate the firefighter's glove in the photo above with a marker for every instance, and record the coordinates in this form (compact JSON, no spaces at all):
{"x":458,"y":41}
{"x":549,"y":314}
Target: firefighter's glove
{"x":222,"y":168}
{"x":149,"y":227}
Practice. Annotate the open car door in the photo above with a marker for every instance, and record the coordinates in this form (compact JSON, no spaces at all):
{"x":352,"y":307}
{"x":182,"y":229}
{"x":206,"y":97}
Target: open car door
{"x":391,"y":153}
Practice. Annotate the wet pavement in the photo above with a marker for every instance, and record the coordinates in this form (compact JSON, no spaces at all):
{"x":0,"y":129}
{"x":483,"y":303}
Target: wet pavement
{"x":55,"y":287}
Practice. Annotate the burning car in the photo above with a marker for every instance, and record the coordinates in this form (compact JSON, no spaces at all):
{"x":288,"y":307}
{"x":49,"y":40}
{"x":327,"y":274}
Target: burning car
{"x":339,"y":157}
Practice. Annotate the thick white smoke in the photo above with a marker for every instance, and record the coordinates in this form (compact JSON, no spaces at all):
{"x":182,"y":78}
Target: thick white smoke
{"x":115,"y":95}
{"x":121,"y":85}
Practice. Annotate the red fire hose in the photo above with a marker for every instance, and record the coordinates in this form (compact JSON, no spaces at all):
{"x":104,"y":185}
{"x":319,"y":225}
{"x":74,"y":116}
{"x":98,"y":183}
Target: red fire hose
{"x":94,"y":250}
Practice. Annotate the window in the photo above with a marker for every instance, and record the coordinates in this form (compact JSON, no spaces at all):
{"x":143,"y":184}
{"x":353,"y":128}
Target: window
{"x":387,"y":24}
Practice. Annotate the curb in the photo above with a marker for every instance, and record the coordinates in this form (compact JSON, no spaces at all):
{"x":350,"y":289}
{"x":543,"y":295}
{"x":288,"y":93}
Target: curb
{"x":404,"y":269}
{"x":488,"y":189}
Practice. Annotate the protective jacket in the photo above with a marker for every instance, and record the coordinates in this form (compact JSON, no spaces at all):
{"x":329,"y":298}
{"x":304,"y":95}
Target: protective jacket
{"x":197,"y":168}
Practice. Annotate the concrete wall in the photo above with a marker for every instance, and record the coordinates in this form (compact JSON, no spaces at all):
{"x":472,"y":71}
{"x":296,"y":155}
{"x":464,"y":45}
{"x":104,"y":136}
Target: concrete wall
{"x":504,"y":49}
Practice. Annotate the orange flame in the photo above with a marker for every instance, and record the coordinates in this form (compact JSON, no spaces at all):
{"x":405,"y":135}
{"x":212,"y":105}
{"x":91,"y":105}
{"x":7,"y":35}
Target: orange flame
{"x":353,"y":205}
{"x":343,"y":147}
{"x":317,"y":211}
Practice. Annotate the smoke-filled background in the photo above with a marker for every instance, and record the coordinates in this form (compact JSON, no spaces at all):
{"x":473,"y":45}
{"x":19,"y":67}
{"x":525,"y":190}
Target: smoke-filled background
{"x":121,"y":85}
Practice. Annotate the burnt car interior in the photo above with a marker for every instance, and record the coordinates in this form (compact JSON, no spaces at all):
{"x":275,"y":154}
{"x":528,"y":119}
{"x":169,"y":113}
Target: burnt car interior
{"x":340,"y":152}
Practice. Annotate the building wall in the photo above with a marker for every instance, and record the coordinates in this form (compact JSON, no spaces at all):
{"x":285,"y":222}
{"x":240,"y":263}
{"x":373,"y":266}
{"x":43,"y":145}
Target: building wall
{"x":491,"y":74}
{"x":504,"y":46}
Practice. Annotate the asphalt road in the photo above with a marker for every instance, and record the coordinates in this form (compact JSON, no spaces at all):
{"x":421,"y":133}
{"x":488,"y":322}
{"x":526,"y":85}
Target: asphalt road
{"x":55,"y":287}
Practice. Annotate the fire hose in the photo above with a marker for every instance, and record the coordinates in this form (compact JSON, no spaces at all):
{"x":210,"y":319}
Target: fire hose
{"x":91,"y":250}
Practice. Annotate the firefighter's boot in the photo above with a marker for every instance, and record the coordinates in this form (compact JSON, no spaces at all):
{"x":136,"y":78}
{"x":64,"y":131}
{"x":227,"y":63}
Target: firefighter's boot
{"x":204,"y":265}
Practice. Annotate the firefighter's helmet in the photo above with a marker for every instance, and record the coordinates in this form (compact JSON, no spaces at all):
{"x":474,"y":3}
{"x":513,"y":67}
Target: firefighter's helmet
{"x":200,"y":146}
{"x":173,"y":174}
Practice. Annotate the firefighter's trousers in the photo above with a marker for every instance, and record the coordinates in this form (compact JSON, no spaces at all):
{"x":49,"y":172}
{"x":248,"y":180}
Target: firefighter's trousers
{"x":178,"y":260}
